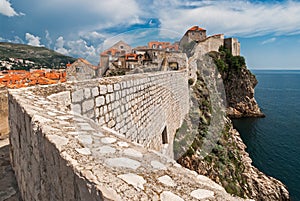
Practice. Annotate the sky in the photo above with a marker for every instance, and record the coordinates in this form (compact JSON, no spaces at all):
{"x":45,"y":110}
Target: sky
{"x":269,"y":30}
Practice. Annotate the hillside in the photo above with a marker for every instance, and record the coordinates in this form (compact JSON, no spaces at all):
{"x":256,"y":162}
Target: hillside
{"x":41,"y":56}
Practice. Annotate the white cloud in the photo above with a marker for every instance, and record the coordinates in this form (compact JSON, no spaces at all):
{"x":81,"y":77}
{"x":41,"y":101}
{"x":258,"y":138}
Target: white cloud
{"x":93,"y":35}
{"x":59,"y":46}
{"x":77,"y":48}
{"x":270,"y":40}
{"x":105,"y":14}
{"x":7,"y":9}
{"x":236,"y":17}
{"x":33,"y":40}
{"x":48,"y":38}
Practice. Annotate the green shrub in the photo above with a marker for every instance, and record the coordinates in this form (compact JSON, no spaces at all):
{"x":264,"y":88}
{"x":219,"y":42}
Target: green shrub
{"x":226,"y":61}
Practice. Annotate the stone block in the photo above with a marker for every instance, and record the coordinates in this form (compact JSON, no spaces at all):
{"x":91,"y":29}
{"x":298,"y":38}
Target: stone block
{"x":110,"y":88}
{"x":100,"y":101}
{"x":103,"y":89}
{"x":107,"y":98}
{"x":77,"y":96}
{"x":87,"y":93}
{"x":116,"y":86}
{"x":95,"y":91}
{"x":87,"y":105}
{"x":63,"y":98}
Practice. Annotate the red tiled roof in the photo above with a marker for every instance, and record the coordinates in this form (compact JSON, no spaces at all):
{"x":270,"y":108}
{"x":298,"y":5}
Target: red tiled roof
{"x":196,"y":28}
{"x":131,"y":55}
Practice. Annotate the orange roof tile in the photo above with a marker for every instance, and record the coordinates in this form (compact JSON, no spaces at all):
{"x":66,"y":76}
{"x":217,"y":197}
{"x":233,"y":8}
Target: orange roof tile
{"x":196,"y":28}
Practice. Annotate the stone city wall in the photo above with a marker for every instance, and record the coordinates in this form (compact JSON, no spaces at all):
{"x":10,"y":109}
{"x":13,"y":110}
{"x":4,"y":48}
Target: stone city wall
{"x":139,"y":107}
{"x":41,"y":171}
{"x":60,"y":155}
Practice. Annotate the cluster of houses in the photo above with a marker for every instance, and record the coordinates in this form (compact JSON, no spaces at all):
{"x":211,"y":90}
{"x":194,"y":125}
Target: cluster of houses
{"x":121,"y":58}
{"x":10,"y":63}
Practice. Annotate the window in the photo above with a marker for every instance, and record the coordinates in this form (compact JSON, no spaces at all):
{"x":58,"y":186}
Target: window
{"x":159,"y":47}
{"x":121,"y":47}
{"x":77,"y":69}
{"x":164,"y":136}
{"x":154,"y":46}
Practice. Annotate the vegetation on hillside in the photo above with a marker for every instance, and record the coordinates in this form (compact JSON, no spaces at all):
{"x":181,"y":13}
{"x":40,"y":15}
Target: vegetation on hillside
{"x":41,"y":56}
{"x":225,"y":61}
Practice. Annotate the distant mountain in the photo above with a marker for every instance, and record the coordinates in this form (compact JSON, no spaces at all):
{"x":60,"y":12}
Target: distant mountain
{"x":41,"y":56}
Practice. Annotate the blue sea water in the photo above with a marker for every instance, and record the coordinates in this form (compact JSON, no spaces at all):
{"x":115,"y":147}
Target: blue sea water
{"x":273,"y":142}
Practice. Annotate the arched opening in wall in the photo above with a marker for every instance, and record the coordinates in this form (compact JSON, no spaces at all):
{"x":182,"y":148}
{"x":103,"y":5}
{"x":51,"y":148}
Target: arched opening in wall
{"x":164,"y":136}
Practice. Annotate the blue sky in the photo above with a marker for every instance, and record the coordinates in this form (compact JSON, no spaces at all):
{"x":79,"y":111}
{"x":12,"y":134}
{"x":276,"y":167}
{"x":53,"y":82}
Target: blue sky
{"x":269,"y":30}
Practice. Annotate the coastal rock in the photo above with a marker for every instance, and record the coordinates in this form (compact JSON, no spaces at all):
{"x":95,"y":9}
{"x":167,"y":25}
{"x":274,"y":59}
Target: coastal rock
{"x":239,"y":87}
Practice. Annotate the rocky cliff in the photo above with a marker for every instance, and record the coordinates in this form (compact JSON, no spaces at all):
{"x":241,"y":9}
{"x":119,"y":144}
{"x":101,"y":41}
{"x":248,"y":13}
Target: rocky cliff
{"x":216,"y":149}
{"x":239,"y":84}
{"x":239,"y":87}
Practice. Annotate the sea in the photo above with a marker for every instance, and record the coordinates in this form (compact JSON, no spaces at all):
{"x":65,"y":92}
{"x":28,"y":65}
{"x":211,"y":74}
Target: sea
{"x":273,"y":142}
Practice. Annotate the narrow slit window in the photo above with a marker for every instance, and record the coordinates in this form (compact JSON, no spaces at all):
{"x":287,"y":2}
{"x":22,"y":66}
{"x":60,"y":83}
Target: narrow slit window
{"x":164,"y":136}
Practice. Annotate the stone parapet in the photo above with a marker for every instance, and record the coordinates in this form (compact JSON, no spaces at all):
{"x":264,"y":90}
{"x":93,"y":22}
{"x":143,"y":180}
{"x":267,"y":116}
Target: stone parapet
{"x":139,"y":107}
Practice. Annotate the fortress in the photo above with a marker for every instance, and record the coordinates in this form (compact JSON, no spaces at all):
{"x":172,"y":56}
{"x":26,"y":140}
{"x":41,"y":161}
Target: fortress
{"x":108,"y":138}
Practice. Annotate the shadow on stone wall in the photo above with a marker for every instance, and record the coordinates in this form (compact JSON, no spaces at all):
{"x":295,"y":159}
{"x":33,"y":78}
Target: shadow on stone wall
{"x":8,"y":185}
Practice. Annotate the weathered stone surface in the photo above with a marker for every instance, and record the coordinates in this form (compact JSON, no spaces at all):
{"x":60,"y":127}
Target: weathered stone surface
{"x":84,"y":151}
{"x":167,"y":196}
{"x":158,"y":165}
{"x":123,"y":144}
{"x":87,"y":105}
{"x":100,"y":101}
{"x":108,"y":140}
{"x":133,"y":179}
{"x":107,"y":150}
{"x":77,"y":96}
{"x":166,"y":180}
{"x":64,"y":98}
{"x":59,"y":141}
{"x":95,"y":91}
{"x":87,"y":93}
{"x":98,"y":134}
{"x":123,"y":162}
{"x":133,"y":153}
{"x":85,"y":139}
{"x":103,"y":89}
{"x":202,"y":194}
